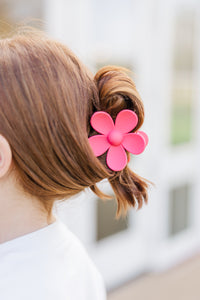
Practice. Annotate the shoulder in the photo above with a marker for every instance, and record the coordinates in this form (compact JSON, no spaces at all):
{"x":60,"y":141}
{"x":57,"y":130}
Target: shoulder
{"x":76,"y":256}
{"x":78,"y":273}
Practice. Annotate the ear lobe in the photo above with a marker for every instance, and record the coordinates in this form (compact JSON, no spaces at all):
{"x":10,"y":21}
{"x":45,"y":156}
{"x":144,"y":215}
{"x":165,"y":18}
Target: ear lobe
{"x":5,"y":156}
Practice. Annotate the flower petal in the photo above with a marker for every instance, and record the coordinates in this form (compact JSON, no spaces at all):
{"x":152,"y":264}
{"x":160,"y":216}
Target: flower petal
{"x":116,"y":158}
{"x":144,"y":135}
{"x":126,"y":120}
{"x":99,"y":144}
{"x":102,"y":122}
{"x":134,"y":143}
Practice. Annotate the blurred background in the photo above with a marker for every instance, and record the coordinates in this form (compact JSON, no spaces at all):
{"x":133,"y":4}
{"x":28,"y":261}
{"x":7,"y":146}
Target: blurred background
{"x":153,"y":252}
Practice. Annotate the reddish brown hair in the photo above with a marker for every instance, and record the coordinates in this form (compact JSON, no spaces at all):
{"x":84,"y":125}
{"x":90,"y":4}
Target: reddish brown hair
{"x":47,"y":97}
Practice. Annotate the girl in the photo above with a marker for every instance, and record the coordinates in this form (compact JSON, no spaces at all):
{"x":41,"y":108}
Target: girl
{"x":47,"y":99}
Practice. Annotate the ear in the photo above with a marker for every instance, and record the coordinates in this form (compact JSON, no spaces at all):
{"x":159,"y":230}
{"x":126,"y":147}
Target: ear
{"x":5,"y":156}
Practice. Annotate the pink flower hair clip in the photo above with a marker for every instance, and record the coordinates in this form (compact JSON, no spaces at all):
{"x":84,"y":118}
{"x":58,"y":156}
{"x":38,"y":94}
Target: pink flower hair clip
{"x":116,"y":137}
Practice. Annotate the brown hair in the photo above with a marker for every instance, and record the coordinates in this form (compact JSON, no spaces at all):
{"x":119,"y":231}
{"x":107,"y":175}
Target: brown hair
{"x":47,"y":97}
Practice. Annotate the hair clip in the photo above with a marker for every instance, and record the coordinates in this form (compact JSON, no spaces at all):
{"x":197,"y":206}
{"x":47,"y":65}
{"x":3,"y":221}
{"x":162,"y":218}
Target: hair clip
{"x":116,"y":137}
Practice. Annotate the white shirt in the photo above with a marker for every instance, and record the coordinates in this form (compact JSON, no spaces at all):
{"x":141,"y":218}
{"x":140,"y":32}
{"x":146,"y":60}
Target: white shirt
{"x":48,"y":264}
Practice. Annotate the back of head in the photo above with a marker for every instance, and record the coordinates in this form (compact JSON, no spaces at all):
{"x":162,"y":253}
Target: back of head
{"x":47,"y":98}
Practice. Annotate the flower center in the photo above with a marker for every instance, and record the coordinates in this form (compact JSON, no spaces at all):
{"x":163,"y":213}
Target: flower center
{"x":115,"y":137}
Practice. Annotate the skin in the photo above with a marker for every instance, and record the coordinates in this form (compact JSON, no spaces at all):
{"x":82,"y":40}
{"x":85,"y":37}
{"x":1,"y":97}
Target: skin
{"x":19,"y":214}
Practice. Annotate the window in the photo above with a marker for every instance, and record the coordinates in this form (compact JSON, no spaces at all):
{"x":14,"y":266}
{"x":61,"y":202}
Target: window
{"x":179,"y":209}
{"x":183,"y":68}
{"x":107,"y":225}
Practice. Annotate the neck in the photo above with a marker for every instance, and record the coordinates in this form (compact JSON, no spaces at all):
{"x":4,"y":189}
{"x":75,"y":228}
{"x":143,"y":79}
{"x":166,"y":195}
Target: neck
{"x":19,"y":214}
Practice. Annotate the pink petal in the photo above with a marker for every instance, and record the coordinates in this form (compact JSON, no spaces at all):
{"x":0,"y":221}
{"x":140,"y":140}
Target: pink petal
{"x":144,"y":135}
{"x":134,"y":143}
{"x":99,"y":144}
{"x":116,"y":158}
{"x":102,"y":122}
{"x":126,"y":120}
